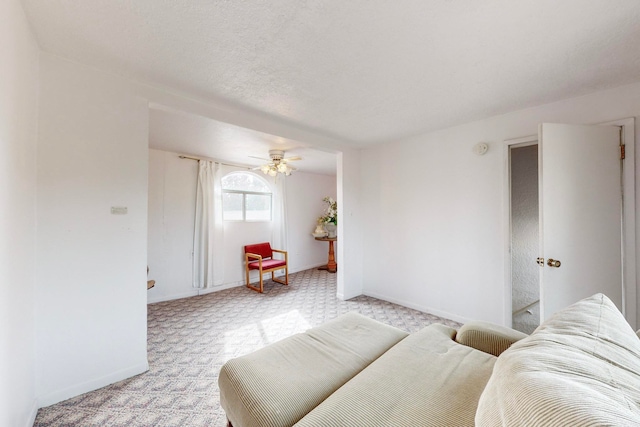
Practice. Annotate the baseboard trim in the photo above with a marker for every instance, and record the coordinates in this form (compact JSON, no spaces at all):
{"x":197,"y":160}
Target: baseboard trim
{"x":347,"y":297}
{"x":307,"y":267}
{"x":85,"y":387}
{"x":195,"y":291}
{"x":32,"y":414}
{"x":424,"y":309}
{"x":172,"y":297}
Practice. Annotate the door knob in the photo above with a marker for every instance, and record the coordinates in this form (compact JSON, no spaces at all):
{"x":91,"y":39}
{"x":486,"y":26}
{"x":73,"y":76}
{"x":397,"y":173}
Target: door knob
{"x":553,"y":262}
{"x":540,"y":262}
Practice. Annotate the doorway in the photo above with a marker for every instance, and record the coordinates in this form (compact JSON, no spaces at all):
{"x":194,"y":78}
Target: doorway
{"x":579,"y":275}
{"x":525,"y":274}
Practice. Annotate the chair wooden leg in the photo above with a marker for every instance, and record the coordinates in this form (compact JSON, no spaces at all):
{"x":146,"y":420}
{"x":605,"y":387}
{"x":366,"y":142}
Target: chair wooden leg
{"x":253,"y":287}
{"x":286,"y":277}
{"x":273,"y":278}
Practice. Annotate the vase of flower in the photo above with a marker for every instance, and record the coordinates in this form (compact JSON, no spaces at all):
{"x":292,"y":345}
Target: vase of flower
{"x":330,"y":218}
{"x":331,"y":230}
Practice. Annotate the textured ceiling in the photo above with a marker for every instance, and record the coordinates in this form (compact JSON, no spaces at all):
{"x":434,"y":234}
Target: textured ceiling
{"x":364,"y":71}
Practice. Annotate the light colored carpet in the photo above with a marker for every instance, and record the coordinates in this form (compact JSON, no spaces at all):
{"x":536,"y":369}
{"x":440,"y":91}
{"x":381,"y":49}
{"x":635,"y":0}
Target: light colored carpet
{"x":190,"y":339}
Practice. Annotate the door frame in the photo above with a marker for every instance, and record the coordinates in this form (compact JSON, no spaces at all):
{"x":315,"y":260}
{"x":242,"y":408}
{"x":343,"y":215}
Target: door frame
{"x":507,"y":146}
{"x":629,"y":286}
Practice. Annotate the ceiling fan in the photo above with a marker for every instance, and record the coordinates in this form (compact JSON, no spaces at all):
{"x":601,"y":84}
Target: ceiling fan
{"x":277,"y":163}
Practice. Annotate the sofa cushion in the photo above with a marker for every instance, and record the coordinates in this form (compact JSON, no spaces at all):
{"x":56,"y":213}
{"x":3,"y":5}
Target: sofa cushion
{"x":425,"y":380}
{"x":488,"y":337}
{"x":277,"y":385}
{"x":580,"y":367}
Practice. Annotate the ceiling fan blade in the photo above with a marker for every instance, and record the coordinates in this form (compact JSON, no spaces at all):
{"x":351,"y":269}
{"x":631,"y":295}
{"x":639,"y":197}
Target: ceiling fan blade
{"x":260,"y":158}
{"x":292,"y":158}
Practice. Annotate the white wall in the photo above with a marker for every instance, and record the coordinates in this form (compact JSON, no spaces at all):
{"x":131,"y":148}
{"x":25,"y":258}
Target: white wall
{"x":172,"y":197}
{"x":305,"y":192}
{"x":433,"y":220}
{"x":350,"y":225}
{"x":18,"y":126}
{"x":91,"y":299}
{"x":172,"y":183}
{"x":91,"y":270}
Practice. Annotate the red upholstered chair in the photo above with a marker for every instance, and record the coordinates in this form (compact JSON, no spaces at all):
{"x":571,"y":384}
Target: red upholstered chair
{"x":260,"y":257}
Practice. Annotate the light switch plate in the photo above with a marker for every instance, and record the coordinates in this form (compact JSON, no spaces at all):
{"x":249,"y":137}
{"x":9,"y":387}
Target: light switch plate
{"x":118,"y":210}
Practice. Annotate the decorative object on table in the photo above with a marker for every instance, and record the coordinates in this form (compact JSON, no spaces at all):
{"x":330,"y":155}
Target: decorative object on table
{"x":332,"y":230}
{"x":330,"y":217}
{"x":319,"y":231}
{"x":277,"y":163}
{"x":150,"y":283}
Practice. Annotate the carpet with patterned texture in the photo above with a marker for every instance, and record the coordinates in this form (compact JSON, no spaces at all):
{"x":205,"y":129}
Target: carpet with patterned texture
{"x":190,"y":339}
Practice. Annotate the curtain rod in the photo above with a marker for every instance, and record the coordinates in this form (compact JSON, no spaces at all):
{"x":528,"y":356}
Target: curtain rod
{"x":225,"y":164}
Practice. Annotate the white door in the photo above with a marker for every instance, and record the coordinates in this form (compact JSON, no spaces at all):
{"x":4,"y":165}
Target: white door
{"x":580,"y":214}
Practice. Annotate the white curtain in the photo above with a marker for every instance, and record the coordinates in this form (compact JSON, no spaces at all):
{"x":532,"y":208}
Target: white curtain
{"x":279,"y":230}
{"x":208,"y":256}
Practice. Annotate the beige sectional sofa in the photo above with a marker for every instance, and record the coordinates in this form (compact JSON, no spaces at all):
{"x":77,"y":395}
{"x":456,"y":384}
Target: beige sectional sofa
{"x":581,"y":367}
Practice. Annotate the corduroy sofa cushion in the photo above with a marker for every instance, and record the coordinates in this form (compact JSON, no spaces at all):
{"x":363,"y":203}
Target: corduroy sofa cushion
{"x":425,"y":380}
{"x":581,"y":367}
{"x":279,"y":384}
{"x":488,"y":337}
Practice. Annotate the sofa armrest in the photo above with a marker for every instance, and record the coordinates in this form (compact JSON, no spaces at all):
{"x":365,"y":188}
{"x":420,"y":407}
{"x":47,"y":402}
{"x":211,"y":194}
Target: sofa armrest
{"x":488,"y":337}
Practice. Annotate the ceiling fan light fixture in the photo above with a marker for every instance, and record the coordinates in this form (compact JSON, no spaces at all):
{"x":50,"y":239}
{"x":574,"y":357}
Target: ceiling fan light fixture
{"x":278,"y":164}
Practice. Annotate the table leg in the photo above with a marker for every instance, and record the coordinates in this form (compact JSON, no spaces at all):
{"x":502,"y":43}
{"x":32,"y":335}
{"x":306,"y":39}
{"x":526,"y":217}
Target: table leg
{"x":331,"y":266}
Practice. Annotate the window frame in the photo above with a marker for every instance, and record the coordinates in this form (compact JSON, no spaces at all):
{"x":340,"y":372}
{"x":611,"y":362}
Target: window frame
{"x":244,"y":194}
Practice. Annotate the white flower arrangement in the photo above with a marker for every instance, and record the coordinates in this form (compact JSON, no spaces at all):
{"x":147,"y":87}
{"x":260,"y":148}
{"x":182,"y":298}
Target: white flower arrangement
{"x":331,"y":212}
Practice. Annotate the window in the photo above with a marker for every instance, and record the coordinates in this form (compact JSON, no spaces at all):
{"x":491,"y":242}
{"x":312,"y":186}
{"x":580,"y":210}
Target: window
{"x":245,"y":197}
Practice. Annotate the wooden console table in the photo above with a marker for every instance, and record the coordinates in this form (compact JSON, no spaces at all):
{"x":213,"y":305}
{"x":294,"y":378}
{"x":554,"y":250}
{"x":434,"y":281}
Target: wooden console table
{"x":331,"y":266}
